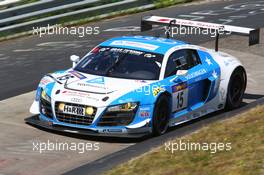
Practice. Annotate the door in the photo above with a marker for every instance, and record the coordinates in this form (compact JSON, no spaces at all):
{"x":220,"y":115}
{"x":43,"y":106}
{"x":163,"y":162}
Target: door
{"x":187,"y":90}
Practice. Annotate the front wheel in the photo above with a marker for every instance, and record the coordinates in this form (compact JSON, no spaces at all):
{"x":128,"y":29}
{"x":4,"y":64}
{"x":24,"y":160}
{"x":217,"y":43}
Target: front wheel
{"x":161,"y":114}
{"x":236,"y":88}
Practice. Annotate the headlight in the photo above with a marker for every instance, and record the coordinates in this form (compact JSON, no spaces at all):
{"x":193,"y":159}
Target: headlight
{"x":45,"y":96}
{"x":61,"y":107}
{"x":127,"y":107}
{"x":89,"y":110}
{"x":119,"y":115}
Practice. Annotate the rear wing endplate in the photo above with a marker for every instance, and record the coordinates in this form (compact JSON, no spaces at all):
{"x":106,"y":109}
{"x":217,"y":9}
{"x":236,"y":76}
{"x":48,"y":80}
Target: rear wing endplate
{"x":148,"y":21}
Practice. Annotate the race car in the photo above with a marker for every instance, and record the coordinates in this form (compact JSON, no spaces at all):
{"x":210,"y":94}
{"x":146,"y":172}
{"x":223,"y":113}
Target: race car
{"x":133,"y":86}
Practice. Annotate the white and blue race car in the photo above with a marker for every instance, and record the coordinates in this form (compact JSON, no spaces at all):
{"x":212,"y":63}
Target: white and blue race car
{"x":137,"y":85}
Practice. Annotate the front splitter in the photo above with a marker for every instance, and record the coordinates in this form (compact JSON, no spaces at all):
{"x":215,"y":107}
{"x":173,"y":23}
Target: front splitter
{"x":131,"y":133}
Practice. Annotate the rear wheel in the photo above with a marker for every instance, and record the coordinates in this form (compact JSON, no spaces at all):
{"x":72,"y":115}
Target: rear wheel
{"x":161,"y":114}
{"x":236,"y":88}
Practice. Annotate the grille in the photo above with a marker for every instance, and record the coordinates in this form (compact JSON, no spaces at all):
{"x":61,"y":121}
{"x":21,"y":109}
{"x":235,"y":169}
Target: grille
{"x":45,"y":108}
{"x":74,"y":119}
{"x":116,"y":119}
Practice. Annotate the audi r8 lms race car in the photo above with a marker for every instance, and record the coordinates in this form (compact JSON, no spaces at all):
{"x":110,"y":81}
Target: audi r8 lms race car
{"x":137,"y":85}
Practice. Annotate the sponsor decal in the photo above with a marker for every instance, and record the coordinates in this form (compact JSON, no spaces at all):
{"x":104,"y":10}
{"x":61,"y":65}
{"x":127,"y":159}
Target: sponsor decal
{"x":110,"y":130}
{"x":75,"y":93}
{"x":179,"y":87}
{"x":186,"y":22}
{"x":148,"y":55}
{"x":79,"y":94}
{"x":160,"y":40}
{"x":181,"y":72}
{"x":82,"y":84}
{"x":196,"y":74}
{"x":126,"y":51}
{"x":90,"y":85}
{"x":74,"y":110}
{"x":180,"y":97}
{"x":134,"y":44}
{"x":208,"y":61}
{"x":44,"y":81}
{"x":77,"y":74}
{"x":141,"y":81}
{"x":144,"y":114}
{"x":65,"y":77}
{"x":197,"y":79}
{"x":214,"y":74}
{"x":164,"y":20}
{"x":99,"y":80}
{"x":157,"y":90}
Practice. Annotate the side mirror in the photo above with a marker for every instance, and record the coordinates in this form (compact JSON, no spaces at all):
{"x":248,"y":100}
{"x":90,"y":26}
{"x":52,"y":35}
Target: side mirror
{"x":75,"y":59}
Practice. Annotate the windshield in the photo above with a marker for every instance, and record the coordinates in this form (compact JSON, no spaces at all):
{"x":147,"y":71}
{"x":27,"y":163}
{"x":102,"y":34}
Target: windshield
{"x":121,"y":63}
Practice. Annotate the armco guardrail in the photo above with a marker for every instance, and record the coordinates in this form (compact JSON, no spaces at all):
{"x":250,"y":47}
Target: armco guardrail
{"x":73,"y":15}
{"x":32,"y":7}
{"x":36,"y":14}
{"x":8,"y":3}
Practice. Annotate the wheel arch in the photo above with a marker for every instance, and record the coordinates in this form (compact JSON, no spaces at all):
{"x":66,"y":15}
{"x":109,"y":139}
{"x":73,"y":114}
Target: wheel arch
{"x":233,"y":70}
{"x":229,"y":105}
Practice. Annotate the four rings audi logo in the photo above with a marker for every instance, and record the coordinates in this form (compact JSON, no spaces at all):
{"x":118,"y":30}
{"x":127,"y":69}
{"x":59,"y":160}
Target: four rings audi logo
{"x":76,"y":100}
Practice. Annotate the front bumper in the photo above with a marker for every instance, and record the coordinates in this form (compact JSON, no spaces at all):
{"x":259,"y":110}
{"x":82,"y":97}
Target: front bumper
{"x":105,"y":132}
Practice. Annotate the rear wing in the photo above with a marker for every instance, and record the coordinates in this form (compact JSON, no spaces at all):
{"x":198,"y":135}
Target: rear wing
{"x":148,"y":21}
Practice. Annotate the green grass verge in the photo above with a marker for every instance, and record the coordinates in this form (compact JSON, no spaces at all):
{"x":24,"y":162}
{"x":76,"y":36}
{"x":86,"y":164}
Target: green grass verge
{"x":245,"y":132}
{"x":166,"y":3}
{"x":26,"y":2}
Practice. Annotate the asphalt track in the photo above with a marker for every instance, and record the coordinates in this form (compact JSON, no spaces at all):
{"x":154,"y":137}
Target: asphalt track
{"x":25,"y":60}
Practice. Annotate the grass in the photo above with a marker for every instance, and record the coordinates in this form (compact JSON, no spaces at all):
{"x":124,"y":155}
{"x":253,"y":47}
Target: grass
{"x":245,"y":132}
{"x":166,"y":3}
{"x":27,"y":2}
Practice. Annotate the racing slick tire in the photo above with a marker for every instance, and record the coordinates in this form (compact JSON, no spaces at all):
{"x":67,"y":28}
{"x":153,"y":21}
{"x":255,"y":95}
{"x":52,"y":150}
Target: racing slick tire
{"x":161,"y":114}
{"x":236,"y":88}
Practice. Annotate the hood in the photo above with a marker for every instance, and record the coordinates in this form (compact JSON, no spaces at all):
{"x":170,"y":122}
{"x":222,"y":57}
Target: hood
{"x":92,"y":88}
